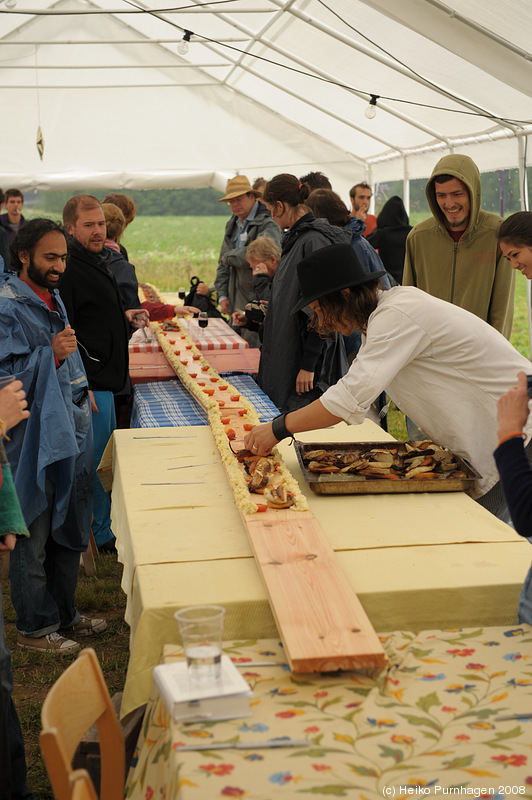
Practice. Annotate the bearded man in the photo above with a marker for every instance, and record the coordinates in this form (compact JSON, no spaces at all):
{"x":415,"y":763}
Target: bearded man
{"x":50,"y":452}
{"x":454,"y":254}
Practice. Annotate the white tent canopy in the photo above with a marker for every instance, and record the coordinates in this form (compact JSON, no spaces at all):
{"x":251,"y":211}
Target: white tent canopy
{"x":267,"y":86}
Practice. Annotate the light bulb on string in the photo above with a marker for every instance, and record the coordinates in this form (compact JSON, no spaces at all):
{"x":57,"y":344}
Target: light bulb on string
{"x":182,"y":47}
{"x":371,"y":110}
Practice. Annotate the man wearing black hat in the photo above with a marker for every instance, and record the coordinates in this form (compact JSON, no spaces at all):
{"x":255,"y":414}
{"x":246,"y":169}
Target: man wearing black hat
{"x":440,"y":364}
{"x":251,"y":218}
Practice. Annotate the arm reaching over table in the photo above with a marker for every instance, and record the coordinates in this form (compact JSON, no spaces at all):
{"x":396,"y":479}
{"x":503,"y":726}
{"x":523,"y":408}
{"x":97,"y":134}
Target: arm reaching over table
{"x":510,"y":456}
{"x":312,"y":417}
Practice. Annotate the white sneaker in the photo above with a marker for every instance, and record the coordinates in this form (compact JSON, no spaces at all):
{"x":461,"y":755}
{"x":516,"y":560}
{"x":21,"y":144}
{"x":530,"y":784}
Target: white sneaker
{"x":49,"y":643}
{"x":85,"y":627}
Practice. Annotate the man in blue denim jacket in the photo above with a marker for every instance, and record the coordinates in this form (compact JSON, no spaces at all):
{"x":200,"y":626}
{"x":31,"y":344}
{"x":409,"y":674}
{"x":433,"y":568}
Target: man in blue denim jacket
{"x":51,"y":452}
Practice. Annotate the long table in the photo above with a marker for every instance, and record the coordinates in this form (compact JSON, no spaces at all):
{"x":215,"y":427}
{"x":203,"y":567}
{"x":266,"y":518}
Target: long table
{"x":433,"y":721}
{"x":415,"y":561}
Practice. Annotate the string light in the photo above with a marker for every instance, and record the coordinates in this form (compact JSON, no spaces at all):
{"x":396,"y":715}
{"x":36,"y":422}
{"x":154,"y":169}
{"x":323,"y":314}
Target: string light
{"x":371,"y":110}
{"x":182,"y":47}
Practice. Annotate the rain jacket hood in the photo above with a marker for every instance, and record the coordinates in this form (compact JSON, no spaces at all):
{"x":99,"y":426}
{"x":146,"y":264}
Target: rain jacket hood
{"x":393,"y":214}
{"x":463,"y":168}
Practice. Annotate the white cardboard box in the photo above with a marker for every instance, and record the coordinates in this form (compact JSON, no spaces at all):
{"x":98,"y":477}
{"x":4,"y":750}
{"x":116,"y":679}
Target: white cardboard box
{"x":226,"y":699}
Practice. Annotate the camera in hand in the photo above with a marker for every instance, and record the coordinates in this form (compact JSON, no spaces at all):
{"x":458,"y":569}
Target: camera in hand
{"x":256,"y":311}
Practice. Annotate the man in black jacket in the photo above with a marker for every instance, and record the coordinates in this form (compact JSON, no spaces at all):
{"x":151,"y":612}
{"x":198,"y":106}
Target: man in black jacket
{"x":92,"y":300}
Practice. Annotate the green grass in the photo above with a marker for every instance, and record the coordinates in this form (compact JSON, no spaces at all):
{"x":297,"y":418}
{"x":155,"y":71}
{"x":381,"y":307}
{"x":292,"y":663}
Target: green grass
{"x":168,"y":251}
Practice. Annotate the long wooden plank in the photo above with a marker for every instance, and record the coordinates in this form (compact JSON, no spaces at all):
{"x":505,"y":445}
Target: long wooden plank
{"x":319,"y":617}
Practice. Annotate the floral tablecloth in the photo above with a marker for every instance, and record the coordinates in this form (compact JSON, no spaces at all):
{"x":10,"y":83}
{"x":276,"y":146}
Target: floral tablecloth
{"x":428,"y":724}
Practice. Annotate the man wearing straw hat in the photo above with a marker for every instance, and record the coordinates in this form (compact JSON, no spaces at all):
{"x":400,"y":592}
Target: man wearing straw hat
{"x":250,"y":218}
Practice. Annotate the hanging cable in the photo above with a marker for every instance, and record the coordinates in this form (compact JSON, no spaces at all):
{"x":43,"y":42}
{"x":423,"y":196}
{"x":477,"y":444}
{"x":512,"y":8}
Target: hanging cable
{"x":202,"y":38}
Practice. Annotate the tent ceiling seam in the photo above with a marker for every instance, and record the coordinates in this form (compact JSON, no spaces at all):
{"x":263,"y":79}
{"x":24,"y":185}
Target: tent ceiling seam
{"x":390,"y":63}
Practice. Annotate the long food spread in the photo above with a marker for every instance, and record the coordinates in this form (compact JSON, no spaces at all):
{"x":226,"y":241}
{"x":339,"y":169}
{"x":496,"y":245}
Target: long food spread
{"x":416,"y":562}
{"x":319,"y":617}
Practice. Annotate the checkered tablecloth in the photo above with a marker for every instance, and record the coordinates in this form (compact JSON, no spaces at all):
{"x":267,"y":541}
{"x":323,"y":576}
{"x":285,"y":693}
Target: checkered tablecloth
{"x":159,"y":405}
{"x":139,"y":344}
{"x":218,"y":335}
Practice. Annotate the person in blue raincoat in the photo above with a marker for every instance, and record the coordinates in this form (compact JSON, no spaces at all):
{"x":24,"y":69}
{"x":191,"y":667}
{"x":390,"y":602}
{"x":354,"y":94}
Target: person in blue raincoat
{"x":50,"y":453}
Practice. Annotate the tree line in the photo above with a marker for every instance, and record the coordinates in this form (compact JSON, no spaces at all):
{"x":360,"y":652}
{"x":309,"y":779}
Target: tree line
{"x":500,"y":195}
{"x":150,"y":202}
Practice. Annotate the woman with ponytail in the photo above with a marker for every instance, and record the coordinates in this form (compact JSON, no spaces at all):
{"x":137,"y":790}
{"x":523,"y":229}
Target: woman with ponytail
{"x":297,"y":364}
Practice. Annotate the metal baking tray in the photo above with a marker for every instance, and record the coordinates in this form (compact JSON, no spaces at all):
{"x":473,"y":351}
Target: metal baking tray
{"x":336,"y":483}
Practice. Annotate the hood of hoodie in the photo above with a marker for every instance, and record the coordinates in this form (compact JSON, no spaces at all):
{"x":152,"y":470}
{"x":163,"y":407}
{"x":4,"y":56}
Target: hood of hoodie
{"x":465,"y":169}
{"x":393,"y":214}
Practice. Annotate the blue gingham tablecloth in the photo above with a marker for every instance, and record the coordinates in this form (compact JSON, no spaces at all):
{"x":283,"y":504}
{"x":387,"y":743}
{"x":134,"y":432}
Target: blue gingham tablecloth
{"x":167,"y":403}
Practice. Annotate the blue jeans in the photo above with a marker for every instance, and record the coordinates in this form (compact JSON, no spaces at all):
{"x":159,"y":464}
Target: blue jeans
{"x":103,"y":425}
{"x":12,"y":756}
{"x":44,"y":576}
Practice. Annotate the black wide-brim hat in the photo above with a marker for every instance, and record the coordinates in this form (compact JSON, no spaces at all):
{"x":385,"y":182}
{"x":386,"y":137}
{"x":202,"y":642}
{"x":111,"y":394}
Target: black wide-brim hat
{"x":328,"y":270}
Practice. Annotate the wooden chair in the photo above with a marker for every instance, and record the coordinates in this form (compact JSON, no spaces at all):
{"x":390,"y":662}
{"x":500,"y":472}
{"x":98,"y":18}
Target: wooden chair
{"x":81,"y":786}
{"x":77,"y":700}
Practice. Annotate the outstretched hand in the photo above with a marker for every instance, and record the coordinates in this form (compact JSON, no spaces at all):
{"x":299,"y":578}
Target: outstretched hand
{"x":512,"y":408}
{"x":260,"y":440}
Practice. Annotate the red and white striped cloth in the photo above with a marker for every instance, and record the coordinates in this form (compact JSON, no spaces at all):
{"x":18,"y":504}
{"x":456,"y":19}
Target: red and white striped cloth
{"x":218,"y":335}
{"x":138,"y":343}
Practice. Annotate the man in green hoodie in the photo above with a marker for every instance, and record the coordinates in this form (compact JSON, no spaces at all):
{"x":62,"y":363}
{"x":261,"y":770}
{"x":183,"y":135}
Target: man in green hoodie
{"x":454,"y":254}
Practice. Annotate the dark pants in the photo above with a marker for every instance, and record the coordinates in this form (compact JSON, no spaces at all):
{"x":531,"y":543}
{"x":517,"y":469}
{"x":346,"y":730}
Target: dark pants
{"x":12,"y":756}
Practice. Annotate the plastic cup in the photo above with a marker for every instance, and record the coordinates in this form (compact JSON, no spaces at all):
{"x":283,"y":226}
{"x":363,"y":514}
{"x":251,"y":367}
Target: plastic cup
{"x":201,"y":629}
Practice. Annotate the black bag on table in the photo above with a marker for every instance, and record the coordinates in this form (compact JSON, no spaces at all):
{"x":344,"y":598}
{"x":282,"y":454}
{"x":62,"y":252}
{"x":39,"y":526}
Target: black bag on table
{"x":201,"y":301}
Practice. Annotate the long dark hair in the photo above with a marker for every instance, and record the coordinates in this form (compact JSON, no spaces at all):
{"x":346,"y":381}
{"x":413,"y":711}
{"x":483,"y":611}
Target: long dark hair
{"x":287,"y":189}
{"x":517,"y":229}
{"x":329,"y":205}
{"x":353,"y":309}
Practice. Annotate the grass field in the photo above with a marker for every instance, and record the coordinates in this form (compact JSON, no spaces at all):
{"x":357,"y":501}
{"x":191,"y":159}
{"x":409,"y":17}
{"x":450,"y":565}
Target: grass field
{"x":167,"y":251}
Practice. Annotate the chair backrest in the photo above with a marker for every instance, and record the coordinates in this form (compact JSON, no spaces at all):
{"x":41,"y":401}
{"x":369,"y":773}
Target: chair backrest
{"x":81,"y":786}
{"x":77,"y":700}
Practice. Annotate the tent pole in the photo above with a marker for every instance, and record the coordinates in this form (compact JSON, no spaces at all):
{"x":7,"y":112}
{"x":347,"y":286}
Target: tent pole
{"x":406,"y":186}
{"x":523,"y":197}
